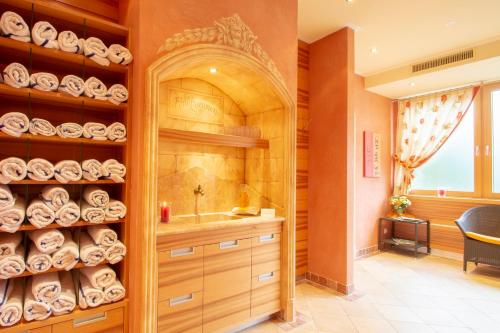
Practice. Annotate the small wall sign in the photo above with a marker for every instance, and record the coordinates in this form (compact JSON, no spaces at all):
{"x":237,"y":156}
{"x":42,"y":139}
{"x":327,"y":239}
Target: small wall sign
{"x":372,"y":154}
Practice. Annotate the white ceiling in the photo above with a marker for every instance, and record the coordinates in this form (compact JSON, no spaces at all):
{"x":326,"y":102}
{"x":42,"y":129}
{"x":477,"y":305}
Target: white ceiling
{"x":403,"y":31}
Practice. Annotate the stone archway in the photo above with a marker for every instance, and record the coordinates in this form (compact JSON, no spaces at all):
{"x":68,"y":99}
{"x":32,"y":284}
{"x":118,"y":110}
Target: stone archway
{"x":228,"y":41}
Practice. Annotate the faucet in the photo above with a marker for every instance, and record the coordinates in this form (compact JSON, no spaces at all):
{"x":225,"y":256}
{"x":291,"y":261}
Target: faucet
{"x":197,"y":192}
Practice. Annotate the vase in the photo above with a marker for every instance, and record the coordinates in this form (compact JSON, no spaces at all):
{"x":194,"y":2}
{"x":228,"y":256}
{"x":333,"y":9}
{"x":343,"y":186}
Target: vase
{"x":399,"y":211}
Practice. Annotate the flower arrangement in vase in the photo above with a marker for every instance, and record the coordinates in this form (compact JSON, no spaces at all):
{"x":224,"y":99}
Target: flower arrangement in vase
{"x":399,"y":204}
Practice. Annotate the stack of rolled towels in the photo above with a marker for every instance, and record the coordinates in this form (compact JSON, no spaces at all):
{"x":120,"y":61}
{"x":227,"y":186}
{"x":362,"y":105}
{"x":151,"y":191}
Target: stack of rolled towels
{"x":98,"y":285}
{"x":11,"y":255}
{"x":17,"y":123}
{"x":65,"y":171}
{"x":12,"y":209}
{"x":100,"y":243}
{"x":17,"y":76}
{"x":12,"y":25}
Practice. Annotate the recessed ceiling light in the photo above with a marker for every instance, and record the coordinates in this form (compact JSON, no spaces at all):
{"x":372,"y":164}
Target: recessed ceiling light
{"x":450,"y":23}
{"x":374,"y":50}
{"x":349,"y":1}
{"x":412,"y":84}
{"x":213,"y":70}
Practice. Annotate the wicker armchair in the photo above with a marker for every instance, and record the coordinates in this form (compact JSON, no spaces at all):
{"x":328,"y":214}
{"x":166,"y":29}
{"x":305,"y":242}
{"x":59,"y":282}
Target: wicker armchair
{"x":481,"y":229}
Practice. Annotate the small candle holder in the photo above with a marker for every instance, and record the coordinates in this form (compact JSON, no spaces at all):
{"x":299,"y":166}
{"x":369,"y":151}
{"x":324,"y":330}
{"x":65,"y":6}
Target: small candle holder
{"x":165,"y":212}
{"x":441,"y":193}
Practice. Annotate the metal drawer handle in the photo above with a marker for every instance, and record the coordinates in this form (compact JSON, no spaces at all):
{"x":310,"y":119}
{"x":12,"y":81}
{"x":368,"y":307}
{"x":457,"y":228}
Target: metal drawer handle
{"x":89,"y":319}
{"x":181,"y":299}
{"x":185,"y":251}
{"x":266,"y":276}
{"x":266,"y":238}
{"x":229,"y":244}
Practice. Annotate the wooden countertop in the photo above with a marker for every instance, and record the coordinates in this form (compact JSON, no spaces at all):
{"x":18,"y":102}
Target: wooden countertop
{"x":167,"y":229}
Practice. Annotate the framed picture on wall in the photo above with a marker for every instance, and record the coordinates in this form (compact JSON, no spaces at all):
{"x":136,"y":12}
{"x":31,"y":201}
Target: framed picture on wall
{"x":372,"y":154}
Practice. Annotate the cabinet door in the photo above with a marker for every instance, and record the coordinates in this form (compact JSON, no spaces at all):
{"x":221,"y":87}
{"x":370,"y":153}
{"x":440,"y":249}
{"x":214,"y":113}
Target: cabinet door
{"x":180,"y":272}
{"x":266,"y":253}
{"x":227,"y":284}
{"x":182,"y":314}
{"x":97,"y":322}
{"x":266,"y":291}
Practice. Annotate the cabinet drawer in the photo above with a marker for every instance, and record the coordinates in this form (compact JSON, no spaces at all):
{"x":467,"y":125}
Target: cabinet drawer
{"x":227,"y":268}
{"x":98,"y":322}
{"x":227,"y":313}
{"x":265,"y":298}
{"x":181,"y":314}
{"x":46,"y":329}
{"x":180,"y":271}
{"x":266,"y":253}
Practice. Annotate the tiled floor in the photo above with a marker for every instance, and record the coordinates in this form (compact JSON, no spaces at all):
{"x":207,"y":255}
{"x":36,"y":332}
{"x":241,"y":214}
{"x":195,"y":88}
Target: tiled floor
{"x":397,"y":293}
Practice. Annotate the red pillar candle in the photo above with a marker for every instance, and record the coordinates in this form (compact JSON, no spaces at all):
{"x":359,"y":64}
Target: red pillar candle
{"x":165,"y":213}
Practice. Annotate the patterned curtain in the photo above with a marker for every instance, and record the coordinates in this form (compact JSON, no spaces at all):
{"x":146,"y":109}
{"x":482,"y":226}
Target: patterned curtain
{"x":424,"y":125}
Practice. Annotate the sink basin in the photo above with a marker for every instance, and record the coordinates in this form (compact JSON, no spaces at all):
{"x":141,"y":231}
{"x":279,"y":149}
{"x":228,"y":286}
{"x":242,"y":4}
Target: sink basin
{"x":206,"y":218}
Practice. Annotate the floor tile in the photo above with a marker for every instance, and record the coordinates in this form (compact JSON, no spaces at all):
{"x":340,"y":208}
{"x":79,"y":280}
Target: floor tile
{"x":398,"y":313}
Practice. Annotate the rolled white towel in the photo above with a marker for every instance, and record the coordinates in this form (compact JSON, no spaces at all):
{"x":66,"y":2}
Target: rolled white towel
{"x":116,"y":132}
{"x":9,"y":243}
{"x":11,"y":218}
{"x":116,"y":252}
{"x":46,"y":287}
{"x":68,"y":255}
{"x":99,"y":277}
{"x":66,"y":301}
{"x":13,"y":265}
{"x":92,"y":169}
{"x":92,"y":214}
{"x":72,"y":85}
{"x":33,"y":309}
{"x":7,"y":200}
{"x":119,"y":54}
{"x":117,"y":94}
{"x":40,"y":169}
{"x":67,"y":171}
{"x":68,"y":42}
{"x":44,"y":34}
{"x":44,"y":81}
{"x":39,"y":214}
{"x":68,"y":214}
{"x":16,"y":75}
{"x":12,"y":169}
{"x":69,"y":130}
{"x":96,"y":131}
{"x":114,"y":292}
{"x":115,"y":210}
{"x":102,"y":235}
{"x":55,"y":196}
{"x":47,"y":240}
{"x":90,"y":253}
{"x":37,"y":262}
{"x":94,"y":88}
{"x":95,"y":196}
{"x":112,"y":169}
{"x":12,"y":25}
{"x":11,"y":302}
{"x":95,"y":49}
{"x":14,"y":123}
{"x":88,"y":296}
{"x":40,"y":126}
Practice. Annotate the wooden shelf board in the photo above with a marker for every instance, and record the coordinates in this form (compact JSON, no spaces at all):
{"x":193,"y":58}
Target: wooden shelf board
{"x":81,"y":223}
{"x":58,"y":98}
{"x":53,"y":269}
{"x":212,"y":139}
{"x":53,"y":9}
{"x":55,"y":181}
{"x":59,"y":56}
{"x":25,"y":326}
{"x":26,"y":137}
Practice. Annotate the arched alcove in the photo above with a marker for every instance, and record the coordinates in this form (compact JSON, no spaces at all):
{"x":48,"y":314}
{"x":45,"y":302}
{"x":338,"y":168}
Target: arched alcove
{"x":256,"y":88}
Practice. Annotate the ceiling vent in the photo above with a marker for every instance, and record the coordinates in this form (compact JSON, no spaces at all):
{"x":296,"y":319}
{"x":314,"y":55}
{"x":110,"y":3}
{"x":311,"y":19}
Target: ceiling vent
{"x":452,"y":58}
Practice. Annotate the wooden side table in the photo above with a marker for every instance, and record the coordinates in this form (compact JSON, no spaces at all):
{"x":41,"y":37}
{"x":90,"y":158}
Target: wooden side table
{"x":411,"y":244}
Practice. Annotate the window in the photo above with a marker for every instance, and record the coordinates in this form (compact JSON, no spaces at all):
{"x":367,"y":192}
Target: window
{"x":468,"y":164}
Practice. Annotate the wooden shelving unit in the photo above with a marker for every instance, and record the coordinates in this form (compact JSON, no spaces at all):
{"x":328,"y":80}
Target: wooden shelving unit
{"x":53,"y":269}
{"x":212,"y":139}
{"x":57,"y":108}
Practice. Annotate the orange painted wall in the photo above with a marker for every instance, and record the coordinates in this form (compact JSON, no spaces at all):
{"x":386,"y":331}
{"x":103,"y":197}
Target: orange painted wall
{"x":372,"y":113}
{"x":331,"y":157}
{"x":151,"y":22}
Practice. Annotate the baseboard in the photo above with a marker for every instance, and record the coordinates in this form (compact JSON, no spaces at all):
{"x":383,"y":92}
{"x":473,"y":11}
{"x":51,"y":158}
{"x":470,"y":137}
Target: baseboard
{"x":330,"y":284}
{"x":366,"y":252}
